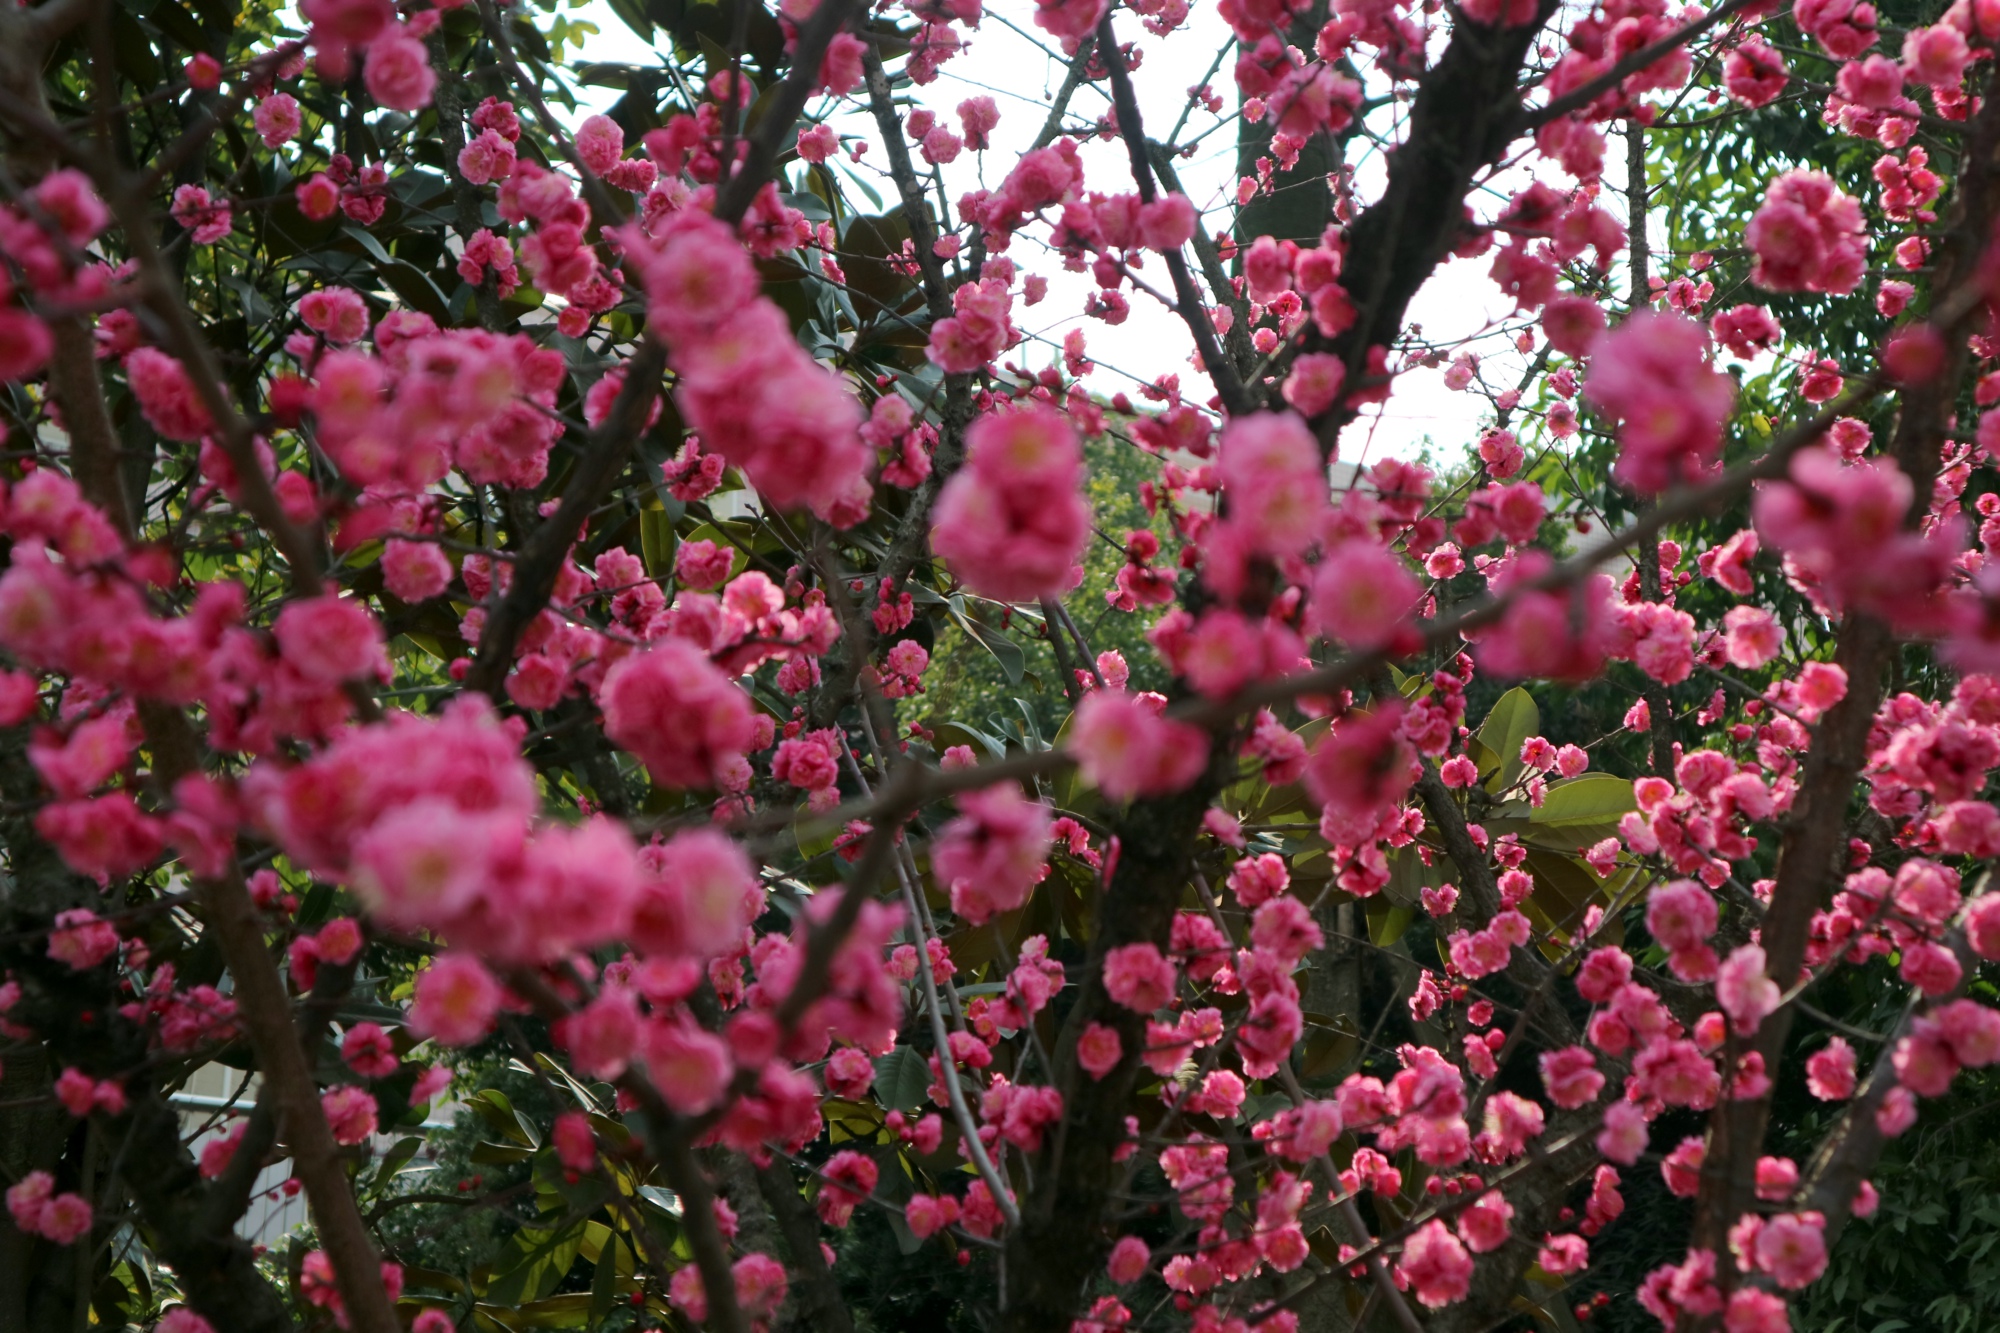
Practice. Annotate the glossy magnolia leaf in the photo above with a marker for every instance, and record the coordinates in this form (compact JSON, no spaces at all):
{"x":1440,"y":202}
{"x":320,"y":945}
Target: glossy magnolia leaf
{"x":1408,"y":874}
{"x":491,"y":1105}
{"x":1575,"y":815}
{"x":395,"y":1160}
{"x":1587,"y":808}
{"x":540,"y":1260}
{"x":657,"y":542}
{"x":1005,"y":651}
{"x":605,"y":1283}
{"x":902,"y":1079}
{"x":1564,"y":887}
{"x":569,"y":1310}
{"x":1482,"y":755}
{"x":1387,"y":922}
{"x":1511,"y":721}
{"x":1255,"y":801}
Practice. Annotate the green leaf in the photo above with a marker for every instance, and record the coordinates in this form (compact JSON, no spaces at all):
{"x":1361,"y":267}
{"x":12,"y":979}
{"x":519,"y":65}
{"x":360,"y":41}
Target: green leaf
{"x":656,"y":541}
{"x":544,"y":1259}
{"x":1005,"y":651}
{"x":396,"y":1159}
{"x":604,"y":1282}
{"x":491,"y":1105}
{"x":1512,"y":720}
{"x":1387,"y":922}
{"x":902,"y":1078}
{"x":500,"y":1154}
{"x":1582,"y":811}
{"x":1408,"y":874}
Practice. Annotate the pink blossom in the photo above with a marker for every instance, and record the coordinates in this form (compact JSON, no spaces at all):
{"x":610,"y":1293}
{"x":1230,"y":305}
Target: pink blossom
{"x":398,"y":72}
{"x":1359,"y":768}
{"x":1821,"y":686}
{"x":1897,"y":1112}
{"x":1753,"y":1311}
{"x":27,"y":1200}
{"x":699,"y":895}
{"x":1439,"y":1269}
{"x":65,"y":1219}
{"x":206,"y":219}
{"x":1681,"y":914}
{"x":1791,"y":1247}
{"x":1139,"y":977}
{"x":1011,"y":522}
{"x":331,"y":639}
{"x":457,"y":1000}
{"x":994,"y":853}
{"x":703,"y":565}
{"x":1652,"y":374}
{"x":1284,"y":926}
{"x":1743,"y":990}
{"x":600,"y":143}
{"x":1127,"y":749}
{"x":1936,"y":55}
{"x":1623,"y":1138}
{"x":1257,"y":879}
{"x":166,"y":395}
{"x":1099,"y":1049}
{"x":1603,"y":973}
{"x":1069,"y":19}
{"x":1931,"y":968}
{"x":277,"y":119}
{"x":1982,"y":925}
{"x":1754,"y":73}
{"x":1753,"y":636}
{"x":487,"y":159}
{"x":1830,"y":1071}
{"x":1362,"y":595}
{"x":218,"y":1152}
{"x":575,"y":1142}
{"x":848,"y":1179}
{"x":368,"y":1052}
{"x":1573,"y":324}
{"x":929,"y":1214}
{"x":1776,"y":1178}
{"x":81,"y":940}
{"x":350,"y":1113}
{"x":25,"y":345}
{"x":1808,"y":235}
{"x":1681,"y":1168}
{"x":673,"y":708}
{"x":1315,"y":382}
{"x":1483,"y":1226}
{"x":1271,"y":471}
{"x":1571,"y":1077}
{"x":1129,"y":1260}
{"x":690,"y":1066}
{"x":415,"y":571}
{"x":1563,"y":1255}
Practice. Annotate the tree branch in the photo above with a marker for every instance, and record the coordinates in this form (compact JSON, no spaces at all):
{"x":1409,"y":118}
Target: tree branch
{"x":1187,"y":299}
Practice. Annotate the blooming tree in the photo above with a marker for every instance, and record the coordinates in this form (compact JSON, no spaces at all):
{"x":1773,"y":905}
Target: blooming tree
{"x":473,"y":572}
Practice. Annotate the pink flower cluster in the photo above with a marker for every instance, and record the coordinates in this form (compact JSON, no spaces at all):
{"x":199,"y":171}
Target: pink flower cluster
{"x":1651,"y":373}
{"x":1011,"y":522}
{"x":745,"y":384}
{"x":39,"y":1211}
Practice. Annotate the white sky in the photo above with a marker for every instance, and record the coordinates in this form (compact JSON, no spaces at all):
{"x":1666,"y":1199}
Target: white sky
{"x":1015,"y":63}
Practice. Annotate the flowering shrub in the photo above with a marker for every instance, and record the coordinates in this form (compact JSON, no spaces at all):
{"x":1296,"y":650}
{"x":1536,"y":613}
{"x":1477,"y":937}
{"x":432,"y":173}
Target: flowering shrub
{"x":477,"y":580}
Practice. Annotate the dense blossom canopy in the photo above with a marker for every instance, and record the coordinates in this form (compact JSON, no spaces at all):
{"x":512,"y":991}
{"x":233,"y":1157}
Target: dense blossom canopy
{"x":496,"y":594}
